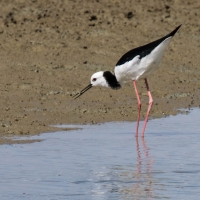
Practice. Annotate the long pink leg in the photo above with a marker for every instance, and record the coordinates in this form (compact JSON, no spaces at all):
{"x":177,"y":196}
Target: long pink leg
{"x":149,"y":107}
{"x":139,"y":107}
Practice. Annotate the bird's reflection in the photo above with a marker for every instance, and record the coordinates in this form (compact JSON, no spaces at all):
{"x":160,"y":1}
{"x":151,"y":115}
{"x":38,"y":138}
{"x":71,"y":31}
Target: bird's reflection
{"x":135,"y":181}
{"x":144,"y":185}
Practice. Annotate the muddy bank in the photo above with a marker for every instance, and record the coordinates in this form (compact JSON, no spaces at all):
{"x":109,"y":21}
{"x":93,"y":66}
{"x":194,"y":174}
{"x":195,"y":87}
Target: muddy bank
{"x":49,"y":50}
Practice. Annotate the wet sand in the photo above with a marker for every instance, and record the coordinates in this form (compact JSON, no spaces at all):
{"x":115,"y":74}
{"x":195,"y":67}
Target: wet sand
{"x":49,"y":50}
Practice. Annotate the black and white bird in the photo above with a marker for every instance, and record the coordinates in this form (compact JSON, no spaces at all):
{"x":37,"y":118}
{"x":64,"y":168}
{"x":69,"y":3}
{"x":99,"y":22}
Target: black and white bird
{"x":136,"y":64}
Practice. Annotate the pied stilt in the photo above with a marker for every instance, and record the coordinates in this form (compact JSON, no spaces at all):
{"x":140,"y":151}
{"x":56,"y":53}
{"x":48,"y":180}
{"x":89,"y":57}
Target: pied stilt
{"x":136,"y":64}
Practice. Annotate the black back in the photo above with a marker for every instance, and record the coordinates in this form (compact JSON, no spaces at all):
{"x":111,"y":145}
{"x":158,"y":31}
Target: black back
{"x":111,"y":80}
{"x":144,"y":50}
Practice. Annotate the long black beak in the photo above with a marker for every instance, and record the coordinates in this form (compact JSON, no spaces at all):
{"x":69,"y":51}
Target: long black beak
{"x":82,"y":91}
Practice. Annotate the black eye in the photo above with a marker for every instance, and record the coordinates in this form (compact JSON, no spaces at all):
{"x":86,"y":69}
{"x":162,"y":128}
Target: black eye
{"x":94,"y":79}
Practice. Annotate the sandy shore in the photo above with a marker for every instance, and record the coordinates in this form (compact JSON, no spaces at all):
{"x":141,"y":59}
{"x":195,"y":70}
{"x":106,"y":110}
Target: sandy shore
{"x":50,"y":49}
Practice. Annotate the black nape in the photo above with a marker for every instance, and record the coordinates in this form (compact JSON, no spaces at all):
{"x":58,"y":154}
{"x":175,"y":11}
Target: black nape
{"x":111,"y":80}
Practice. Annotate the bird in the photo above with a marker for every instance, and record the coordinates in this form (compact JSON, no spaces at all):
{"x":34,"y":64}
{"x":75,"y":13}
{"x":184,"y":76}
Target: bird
{"x":138,"y":63}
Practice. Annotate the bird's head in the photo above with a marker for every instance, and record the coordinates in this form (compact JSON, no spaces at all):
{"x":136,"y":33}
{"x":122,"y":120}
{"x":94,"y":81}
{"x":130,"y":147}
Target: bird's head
{"x":104,"y":79}
{"x":98,"y":79}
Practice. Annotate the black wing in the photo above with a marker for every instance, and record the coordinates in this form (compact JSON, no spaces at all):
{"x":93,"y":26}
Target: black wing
{"x":144,"y":50}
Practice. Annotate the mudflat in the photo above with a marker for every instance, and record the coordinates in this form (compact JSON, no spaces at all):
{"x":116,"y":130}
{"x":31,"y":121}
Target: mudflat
{"x":50,"y":49}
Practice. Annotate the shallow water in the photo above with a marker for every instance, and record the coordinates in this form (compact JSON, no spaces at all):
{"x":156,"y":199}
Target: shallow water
{"x":107,"y":162}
